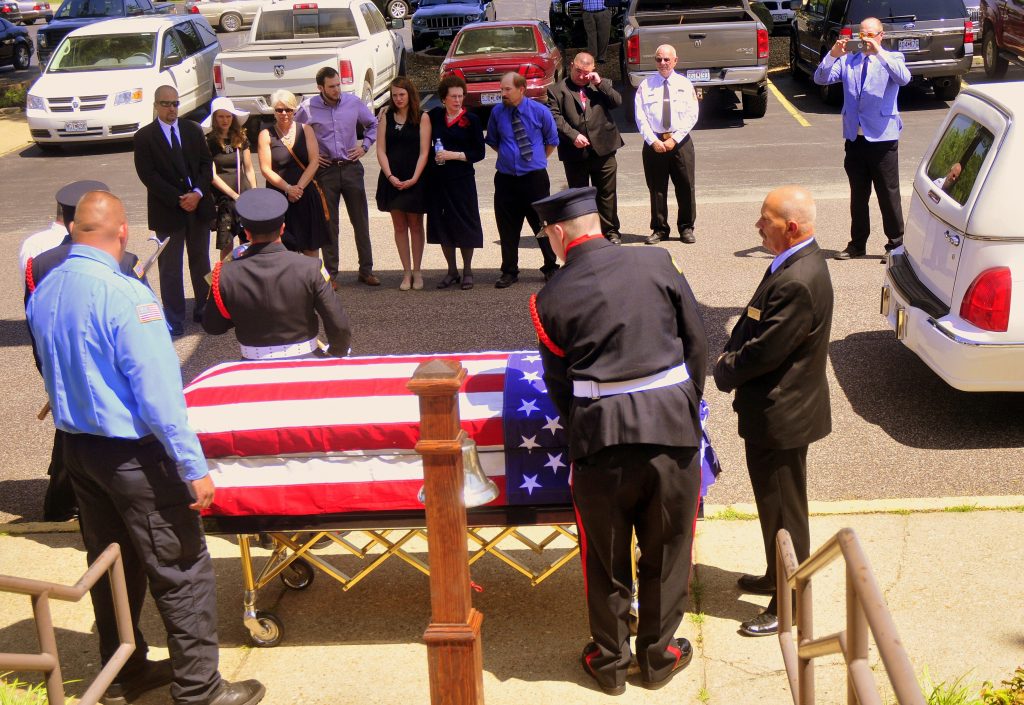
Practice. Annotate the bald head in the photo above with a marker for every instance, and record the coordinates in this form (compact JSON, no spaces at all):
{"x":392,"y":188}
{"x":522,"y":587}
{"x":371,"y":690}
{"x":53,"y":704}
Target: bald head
{"x":796,"y":204}
{"x":787,"y":218}
{"x":100,"y":222}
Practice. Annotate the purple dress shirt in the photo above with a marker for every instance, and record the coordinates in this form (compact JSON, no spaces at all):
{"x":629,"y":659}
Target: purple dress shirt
{"x":335,"y":127}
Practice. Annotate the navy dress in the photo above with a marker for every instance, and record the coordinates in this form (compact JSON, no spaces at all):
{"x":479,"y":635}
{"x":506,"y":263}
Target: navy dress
{"x":453,"y":213}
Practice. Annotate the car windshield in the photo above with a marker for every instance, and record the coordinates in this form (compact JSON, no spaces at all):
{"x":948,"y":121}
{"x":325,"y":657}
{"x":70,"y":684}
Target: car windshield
{"x":906,"y":10}
{"x":427,"y":3}
{"x":90,"y":8}
{"x":104,"y":53}
{"x":493,"y":40}
{"x":278,"y":25}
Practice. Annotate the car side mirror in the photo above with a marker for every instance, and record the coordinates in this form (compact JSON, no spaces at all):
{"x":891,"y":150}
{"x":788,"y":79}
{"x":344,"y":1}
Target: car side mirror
{"x":170,"y":60}
{"x":396,"y":23}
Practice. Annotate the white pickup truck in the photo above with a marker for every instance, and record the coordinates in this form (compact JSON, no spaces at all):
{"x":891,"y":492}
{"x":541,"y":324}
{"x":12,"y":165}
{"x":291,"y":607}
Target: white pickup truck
{"x":290,"y":41}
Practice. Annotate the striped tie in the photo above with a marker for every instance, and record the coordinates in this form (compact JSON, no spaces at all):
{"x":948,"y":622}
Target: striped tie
{"x":522,"y":139}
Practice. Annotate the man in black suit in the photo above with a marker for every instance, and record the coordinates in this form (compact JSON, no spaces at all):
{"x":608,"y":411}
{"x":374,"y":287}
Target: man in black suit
{"x":775,"y":360}
{"x":624,"y":363}
{"x":582,"y":106}
{"x":174,"y":162}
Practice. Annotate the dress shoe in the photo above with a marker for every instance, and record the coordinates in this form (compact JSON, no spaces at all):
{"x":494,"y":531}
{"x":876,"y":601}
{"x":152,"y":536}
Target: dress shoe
{"x":756,"y":584}
{"x":197,"y":315}
{"x":176,"y":329}
{"x":241,"y":693}
{"x":850,"y":253}
{"x":369,"y":278}
{"x":152,"y":674}
{"x":764,"y":624}
{"x":505,"y":281}
{"x":589,"y":651}
{"x":682,"y":661}
{"x":417,"y":281}
{"x":467,"y":281}
{"x":449,"y":280}
{"x":654,"y":238}
{"x":406,"y":282}
{"x":614,"y":238}
{"x":687,"y":236}
{"x":548,"y":273}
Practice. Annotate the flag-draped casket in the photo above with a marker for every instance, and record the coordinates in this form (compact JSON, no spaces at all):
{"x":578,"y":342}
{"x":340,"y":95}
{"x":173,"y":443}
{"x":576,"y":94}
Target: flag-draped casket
{"x":308,"y":437}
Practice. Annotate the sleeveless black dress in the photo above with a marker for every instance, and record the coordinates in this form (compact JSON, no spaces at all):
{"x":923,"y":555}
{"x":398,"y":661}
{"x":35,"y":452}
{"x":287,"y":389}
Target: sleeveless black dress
{"x":403,"y":150}
{"x":305,"y":223}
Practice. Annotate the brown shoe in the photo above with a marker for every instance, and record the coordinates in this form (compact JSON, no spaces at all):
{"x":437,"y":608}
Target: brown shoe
{"x":370,"y":279}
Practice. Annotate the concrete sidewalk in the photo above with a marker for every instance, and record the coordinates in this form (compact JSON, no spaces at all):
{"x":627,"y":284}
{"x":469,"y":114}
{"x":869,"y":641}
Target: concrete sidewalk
{"x":952,"y":580}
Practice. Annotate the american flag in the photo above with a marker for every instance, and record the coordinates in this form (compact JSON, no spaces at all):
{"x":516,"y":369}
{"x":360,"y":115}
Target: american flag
{"x":308,"y":437}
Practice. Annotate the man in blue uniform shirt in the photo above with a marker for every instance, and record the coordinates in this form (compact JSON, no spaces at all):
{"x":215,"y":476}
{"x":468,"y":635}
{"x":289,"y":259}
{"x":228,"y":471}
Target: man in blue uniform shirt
{"x":137,"y":468}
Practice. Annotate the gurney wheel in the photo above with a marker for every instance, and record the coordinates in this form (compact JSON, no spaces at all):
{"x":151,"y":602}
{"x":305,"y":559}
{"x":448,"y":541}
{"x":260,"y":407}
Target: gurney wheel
{"x":298,"y":575}
{"x":272,"y":632}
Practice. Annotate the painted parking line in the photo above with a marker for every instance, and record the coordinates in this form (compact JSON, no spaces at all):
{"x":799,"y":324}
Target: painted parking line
{"x":790,"y":108}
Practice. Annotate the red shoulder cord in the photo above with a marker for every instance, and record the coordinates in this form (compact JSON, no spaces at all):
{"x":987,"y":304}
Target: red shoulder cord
{"x":215,"y":290}
{"x":30,"y":280}
{"x":580,"y":240}
{"x":539,"y":327}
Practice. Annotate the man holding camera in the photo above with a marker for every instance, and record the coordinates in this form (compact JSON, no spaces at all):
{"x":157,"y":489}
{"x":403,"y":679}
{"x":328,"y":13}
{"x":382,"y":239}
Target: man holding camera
{"x":871,"y":78}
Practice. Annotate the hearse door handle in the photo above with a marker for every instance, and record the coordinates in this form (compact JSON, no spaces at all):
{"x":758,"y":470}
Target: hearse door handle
{"x":953,"y":238}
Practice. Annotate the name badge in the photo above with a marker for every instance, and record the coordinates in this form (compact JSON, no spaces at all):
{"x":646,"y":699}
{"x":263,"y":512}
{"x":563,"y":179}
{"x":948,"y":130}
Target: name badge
{"x":754,"y":313}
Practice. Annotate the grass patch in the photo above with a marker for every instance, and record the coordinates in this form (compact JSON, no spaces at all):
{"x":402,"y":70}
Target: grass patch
{"x":962,"y":508}
{"x":703,"y":695}
{"x":696,"y":618}
{"x":13,"y":97}
{"x":731,"y":514}
{"x":1019,"y":509}
{"x":16,"y":692}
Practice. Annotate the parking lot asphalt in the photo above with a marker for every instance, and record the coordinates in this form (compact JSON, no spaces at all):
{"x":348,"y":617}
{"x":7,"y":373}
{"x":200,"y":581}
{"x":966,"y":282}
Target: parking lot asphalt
{"x":899,"y":431}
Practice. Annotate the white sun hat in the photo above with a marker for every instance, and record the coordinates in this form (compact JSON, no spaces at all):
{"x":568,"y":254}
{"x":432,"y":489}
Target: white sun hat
{"x":223,"y":103}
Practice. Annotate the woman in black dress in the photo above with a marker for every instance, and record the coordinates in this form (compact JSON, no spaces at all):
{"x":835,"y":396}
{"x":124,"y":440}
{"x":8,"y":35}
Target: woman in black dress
{"x":453,"y":214}
{"x":233,"y":174}
{"x":403,"y":146}
{"x":289,"y":159}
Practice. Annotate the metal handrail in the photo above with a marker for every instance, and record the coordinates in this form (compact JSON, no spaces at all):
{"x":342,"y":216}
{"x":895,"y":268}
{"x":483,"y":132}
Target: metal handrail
{"x":47,"y":661}
{"x":866,"y":614}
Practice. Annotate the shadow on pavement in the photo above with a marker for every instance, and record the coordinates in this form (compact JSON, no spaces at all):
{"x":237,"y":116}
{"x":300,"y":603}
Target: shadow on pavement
{"x":719,"y":595}
{"x":803,"y":94}
{"x":24,"y":498}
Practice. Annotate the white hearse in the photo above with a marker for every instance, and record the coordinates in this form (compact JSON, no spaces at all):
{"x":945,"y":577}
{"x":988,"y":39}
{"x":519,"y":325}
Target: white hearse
{"x":99,"y":83}
{"x":954,"y":292}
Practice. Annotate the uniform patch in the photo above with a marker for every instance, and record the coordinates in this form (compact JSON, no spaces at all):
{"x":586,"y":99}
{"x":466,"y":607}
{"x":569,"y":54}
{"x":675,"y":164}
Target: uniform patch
{"x":324,"y":274}
{"x":139,"y":269}
{"x":753,"y":313}
{"x":149,"y":312}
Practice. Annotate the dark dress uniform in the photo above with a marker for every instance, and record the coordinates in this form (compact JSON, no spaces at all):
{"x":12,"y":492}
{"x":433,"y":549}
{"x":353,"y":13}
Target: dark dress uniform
{"x":271,"y":296}
{"x":635,"y":455}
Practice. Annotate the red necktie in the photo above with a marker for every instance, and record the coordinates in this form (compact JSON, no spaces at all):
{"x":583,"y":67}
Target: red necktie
{"x":583,"y":98}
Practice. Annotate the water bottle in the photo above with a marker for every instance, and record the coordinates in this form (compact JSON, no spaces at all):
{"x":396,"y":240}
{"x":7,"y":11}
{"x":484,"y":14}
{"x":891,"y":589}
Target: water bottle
{"x":438,"y":148}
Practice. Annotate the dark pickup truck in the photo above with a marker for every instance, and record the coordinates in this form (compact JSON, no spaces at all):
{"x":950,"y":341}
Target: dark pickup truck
{"x":73,"y":14}
{"x":1002,"y":35}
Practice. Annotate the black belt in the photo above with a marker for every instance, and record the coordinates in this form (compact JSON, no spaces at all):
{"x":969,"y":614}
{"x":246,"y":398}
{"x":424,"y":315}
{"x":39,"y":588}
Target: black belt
{"x":343,"y":162}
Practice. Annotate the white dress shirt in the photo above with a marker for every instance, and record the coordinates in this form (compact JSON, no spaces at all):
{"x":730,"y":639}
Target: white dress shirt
{"x":40,"y":242}
{"x":781,"y":258}
{"x":648,"y":107}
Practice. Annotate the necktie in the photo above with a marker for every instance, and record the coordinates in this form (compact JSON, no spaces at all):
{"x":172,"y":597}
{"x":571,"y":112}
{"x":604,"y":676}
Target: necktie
{"x":864,"y":72}
{"x":522,"y":139}
{"x":666,"y":108}
{"x":583,"y":98}
{"x":178,"y":156}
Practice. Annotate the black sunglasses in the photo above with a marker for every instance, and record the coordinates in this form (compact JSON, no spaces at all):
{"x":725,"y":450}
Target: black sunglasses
{"x":284,"y":110}
{"x":168,"y":103}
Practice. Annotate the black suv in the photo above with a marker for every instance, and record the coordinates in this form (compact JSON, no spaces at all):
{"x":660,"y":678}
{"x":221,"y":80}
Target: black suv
{"x":565,"y":17}
{"x":936,"y":37}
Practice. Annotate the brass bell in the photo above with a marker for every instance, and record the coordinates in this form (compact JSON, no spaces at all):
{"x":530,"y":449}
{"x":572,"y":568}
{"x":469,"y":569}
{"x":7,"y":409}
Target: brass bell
{"x":477,"y":488}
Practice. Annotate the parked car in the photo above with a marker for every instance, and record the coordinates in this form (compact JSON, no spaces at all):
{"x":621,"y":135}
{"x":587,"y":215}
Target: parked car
{"x":397,"y":9}
{"x":481,"y":53}
{"x":73,"y":14}
{"x":565,"y":17}
{"x":100,"y":81}
{"x":228,"y":15}
{"x":440,"y":20}
{"x":948,"y":289}
{"x":782,"y":14}
{"x":936,"y":38}
{"x":15,"y":46}
{"x":10,"y":11}
{"x":1002,"y":35}
{"x":289,"y":43}
{"x":32,"y":10}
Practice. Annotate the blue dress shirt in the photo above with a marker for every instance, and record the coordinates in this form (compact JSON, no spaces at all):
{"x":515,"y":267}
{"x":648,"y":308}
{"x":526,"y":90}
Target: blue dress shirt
{"x":869,"y":94}
{"x":782,"y":257}
{"x":540,"y":126}
{"x":107,"y":359}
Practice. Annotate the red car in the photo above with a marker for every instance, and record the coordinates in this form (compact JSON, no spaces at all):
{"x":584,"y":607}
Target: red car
{"x":482,"y":52}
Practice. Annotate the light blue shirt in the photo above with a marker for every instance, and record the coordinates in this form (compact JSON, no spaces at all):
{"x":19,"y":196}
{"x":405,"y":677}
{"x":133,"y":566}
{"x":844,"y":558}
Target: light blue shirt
{"x":869,"y":94}
{"x":781,"y":258}
{"x":107,"y":359}
{"x":540,"y":128}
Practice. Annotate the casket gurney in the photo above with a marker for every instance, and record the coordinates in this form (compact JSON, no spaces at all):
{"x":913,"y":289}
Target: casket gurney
{"x":317,"y":455}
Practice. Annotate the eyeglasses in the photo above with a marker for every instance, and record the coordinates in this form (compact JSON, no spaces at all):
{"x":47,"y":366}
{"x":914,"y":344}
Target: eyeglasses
{"x":870,"y":35}
{"x":284,"y":110}
{"x":168,"y":103}
{"x":663,"y":59}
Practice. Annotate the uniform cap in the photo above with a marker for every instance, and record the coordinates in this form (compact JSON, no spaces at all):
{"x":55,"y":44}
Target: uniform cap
{"x":261,"y":210}
{"x":68,"y":196}
{"x":566,"y":205}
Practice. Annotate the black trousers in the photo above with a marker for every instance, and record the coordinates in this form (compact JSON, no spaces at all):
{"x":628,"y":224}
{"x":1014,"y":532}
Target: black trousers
{"x":654,"y":491}
{"x":679,"y":166}
{"x":131,"y":493}
{"x":195,"y":239}
{"x":599,"y":172}
{"x":60,"y":503}
{"x":779,"y":479}
{"x":875,"y":164}
{"x":598,"y":26}
{"x":513,"y":196}
{"x":345,"y":181}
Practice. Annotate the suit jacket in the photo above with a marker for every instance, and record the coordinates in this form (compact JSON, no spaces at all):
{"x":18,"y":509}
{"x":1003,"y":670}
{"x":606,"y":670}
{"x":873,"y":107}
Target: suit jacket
{"x":777,"y":354}
{"x":612,"y":326}
{"x":163,"y":180}
{"x":596,"y":122}
{"x":873,"y":106}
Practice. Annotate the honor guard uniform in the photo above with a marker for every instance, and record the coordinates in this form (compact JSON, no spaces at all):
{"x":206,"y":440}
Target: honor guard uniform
{"x":624,"y":361}
{"x":271,"y":296}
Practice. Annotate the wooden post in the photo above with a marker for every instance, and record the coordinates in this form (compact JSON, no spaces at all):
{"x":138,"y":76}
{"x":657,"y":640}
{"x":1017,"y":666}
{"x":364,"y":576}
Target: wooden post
{"x":454,"y":656}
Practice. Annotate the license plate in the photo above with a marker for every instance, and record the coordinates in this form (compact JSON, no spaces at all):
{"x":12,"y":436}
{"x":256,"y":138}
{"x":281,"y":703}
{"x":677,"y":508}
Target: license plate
{"x":698,"y":74}
{"x":75,"y":126}
{"x":910,"y":44}
{"x":445,"y":33}
{"x":490,"y":98}
{"x":779,"y":17}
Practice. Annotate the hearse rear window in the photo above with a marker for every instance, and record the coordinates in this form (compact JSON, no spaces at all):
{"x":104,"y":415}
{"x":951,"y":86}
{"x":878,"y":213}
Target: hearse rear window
{"x":957,"y":159}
